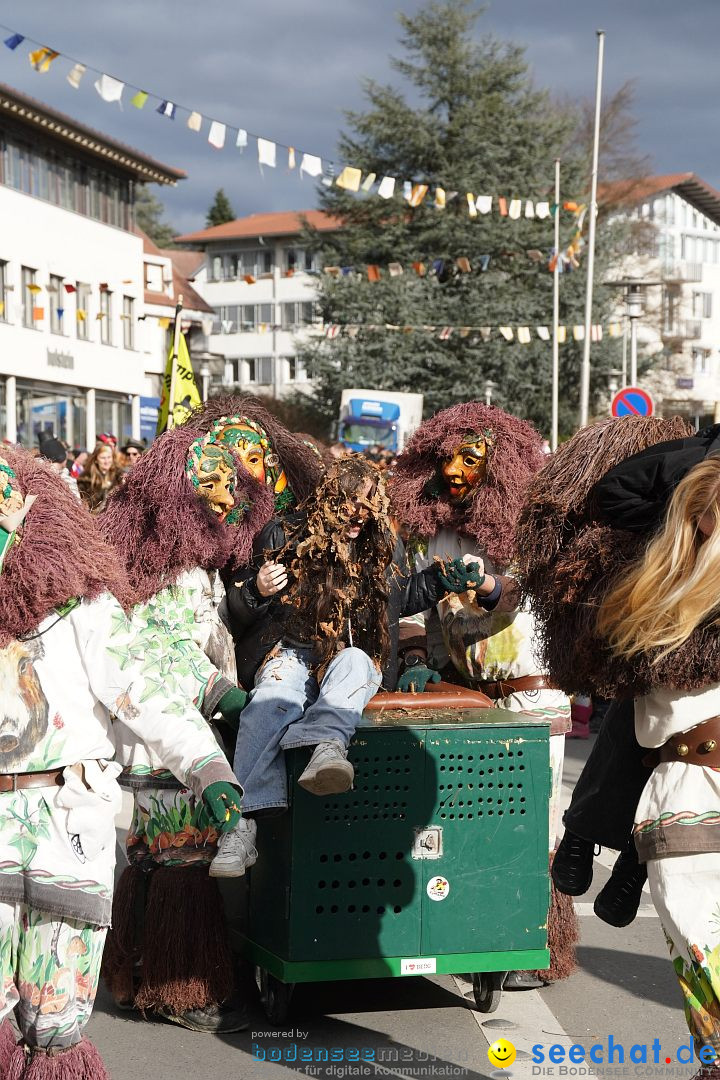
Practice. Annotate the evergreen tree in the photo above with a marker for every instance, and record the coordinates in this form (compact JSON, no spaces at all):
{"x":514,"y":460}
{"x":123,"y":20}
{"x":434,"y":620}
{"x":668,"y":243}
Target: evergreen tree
{"x":220,"y":211}
{"x":149,"y":212}
{"x":472,"y":122}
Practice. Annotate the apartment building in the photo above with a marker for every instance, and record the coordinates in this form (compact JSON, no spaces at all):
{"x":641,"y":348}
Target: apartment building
{"x":261,"y":285}
{"x":678,"y":255}
{"x":72,"y":278}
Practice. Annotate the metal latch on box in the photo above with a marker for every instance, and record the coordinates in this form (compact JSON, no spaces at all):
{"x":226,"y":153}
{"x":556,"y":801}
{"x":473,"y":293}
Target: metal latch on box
{"x":428,"y":843}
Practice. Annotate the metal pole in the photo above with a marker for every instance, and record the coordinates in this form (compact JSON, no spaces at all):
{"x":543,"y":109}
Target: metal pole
{"x":633,"y":352}
{"x":556,"y":315}
{"x":585,"y":371}
{"x":624,"y":352}
{"x":173,"y":365}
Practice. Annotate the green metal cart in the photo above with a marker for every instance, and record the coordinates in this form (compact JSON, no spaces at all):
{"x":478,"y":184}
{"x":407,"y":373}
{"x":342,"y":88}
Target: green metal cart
{"x":435,"y":863}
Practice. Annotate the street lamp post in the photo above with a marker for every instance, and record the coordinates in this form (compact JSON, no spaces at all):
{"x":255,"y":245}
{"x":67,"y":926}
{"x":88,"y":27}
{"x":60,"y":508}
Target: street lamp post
{"x":489,"y":389}
{"x":633,"y":310}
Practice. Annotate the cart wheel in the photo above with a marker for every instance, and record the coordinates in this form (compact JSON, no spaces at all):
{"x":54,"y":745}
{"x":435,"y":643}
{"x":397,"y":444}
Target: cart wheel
{"x":275,"y":996}
{"x":487,"y":990}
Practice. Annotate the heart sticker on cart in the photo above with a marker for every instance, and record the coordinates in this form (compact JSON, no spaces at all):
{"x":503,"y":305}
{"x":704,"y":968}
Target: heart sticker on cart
{"x":438,"y":888}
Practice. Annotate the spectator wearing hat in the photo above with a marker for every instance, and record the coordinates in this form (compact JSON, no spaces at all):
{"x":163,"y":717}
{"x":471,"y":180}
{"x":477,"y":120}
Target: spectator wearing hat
{"x":54,"y":451}
{"x":131,"y":452}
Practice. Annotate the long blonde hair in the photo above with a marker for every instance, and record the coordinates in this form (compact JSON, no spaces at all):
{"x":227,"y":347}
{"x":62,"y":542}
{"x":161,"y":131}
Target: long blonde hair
{"x":675,"y":588}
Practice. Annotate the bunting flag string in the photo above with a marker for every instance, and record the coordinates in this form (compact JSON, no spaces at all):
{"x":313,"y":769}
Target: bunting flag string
{"x":523,"y":335}
{"x":348,"y":177}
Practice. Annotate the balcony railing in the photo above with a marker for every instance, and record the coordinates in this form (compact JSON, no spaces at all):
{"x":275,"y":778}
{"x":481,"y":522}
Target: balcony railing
{"x":683,"y":330}
{"x":683,"y":271}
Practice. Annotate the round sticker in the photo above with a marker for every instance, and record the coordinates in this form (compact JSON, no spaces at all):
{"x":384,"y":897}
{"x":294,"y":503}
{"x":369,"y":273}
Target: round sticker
{"x":438,"y":888}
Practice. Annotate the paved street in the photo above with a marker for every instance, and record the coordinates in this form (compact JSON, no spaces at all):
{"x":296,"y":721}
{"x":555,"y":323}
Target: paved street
{"x":424,"y":1027}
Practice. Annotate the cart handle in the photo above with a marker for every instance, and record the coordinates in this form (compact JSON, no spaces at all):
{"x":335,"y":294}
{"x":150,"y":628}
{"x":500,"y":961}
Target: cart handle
{"x":436,"y":696}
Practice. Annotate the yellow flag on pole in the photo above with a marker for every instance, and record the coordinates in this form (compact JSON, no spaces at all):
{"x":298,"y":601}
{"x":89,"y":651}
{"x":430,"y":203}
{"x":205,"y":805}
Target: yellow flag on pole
{"x":186,"y":391}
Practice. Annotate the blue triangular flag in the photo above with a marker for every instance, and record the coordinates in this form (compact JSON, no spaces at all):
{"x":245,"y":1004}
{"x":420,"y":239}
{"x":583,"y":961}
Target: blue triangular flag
{"x":167,"y":109}
{"x":14,"y":40}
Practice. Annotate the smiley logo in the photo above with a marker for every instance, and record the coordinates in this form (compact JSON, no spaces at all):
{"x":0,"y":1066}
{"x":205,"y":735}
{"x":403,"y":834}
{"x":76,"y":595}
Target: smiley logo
{"x":501,"y":1054}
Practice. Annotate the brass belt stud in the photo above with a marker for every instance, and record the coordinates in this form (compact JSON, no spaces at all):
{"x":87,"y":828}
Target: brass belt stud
{"x":709,"y":746}
{"x":683,"y":749}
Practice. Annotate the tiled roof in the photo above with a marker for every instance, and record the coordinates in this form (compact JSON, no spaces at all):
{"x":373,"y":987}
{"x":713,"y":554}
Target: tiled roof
{"x":35,"y":114}
{"x":696,"y":191}
{"x":284,"y":223}
{"x":187,"y":262}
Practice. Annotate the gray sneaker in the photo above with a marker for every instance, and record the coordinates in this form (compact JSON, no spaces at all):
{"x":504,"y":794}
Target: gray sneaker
{"x":236,"y":850}
{"x":328,"y":772}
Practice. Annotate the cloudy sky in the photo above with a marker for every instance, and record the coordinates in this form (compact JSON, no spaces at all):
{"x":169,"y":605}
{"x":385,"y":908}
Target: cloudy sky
{"x":286,"y":70}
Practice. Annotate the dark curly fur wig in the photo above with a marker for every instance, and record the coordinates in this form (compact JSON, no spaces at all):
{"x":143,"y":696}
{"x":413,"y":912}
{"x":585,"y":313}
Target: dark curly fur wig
{"x":491,"y":516}
{"x":568,"y":559}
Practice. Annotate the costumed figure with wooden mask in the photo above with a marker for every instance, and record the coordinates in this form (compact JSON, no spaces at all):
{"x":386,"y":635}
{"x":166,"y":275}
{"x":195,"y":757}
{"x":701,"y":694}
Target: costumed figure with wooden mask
{"x":74,"y":672}
{"x":188,"y":509}
{"x":458,"y":488}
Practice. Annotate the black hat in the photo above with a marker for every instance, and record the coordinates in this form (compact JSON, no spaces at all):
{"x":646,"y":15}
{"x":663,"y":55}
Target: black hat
{"x":53,"y":450}
{"x":635,"y":494}
{"x":133,"y":443}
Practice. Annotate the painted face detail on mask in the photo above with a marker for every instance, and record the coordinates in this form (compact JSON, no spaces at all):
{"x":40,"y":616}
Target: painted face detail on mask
{"x":211,"y":471}
{"x":467,"y":467}
{"x":251,"y":443}
{"x":10,"y":499}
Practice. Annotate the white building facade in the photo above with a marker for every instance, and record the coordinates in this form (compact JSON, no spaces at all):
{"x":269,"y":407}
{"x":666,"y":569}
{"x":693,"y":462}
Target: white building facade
{"x":72,"y":298}
{"x":680,"y":324}
{"x":262,"y":287}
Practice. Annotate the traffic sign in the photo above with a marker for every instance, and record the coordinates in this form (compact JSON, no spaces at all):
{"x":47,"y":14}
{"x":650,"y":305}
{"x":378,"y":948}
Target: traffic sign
{"x":632,"y":401}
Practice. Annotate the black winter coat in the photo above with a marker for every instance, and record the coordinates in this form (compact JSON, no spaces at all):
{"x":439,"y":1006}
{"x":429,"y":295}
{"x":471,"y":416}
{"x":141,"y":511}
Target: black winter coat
{"x":256,"y":623}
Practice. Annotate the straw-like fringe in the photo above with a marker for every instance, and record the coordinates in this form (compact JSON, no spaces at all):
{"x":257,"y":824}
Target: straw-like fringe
{"x":8,"y":1041}
{"x":79,"y":1062}
{"x":122,"y":949}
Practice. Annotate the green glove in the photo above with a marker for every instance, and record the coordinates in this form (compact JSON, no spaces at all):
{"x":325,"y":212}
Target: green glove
{"x":231,"y":704}
{"x":458,"y":576}
{"x":221,"y":806}
{"x":414,"y":679}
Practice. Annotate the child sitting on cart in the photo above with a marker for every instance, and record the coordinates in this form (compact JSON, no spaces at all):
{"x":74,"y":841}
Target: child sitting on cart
{"x":316,"y":629}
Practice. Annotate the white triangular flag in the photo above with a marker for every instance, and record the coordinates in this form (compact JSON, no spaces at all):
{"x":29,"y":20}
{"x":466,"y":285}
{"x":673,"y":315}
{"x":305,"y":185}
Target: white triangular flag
{"x":514,"y":209}
{"x":562,"y":334}
{"x":407,"y":190}
{"x":507,"y":332}
{"x":311,"y":165}
{"x":216,"y":135}
{"x":578,"y":333}
{"x":543,"y":333}
{"x":387,"y":187}
{"x":523,"y":335}
{"x":542,"y":210}
{"x":194,"y":121}
{"x":242,"y":138}
{"x":266,"y":152}
{"x":368,"y":181}
{"x":529,"y":208}
{"x":109,"y":89}
{"x":76,"y":75}
{"x":483,"y":204}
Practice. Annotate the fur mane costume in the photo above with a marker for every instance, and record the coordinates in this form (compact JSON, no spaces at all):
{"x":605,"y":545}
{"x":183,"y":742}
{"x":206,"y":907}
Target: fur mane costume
{"x":569,"y":558}
{"x":300,"y":464}
{"x":420,"y":501}
{"x":161,"y":527}
{"x":59,"y":553}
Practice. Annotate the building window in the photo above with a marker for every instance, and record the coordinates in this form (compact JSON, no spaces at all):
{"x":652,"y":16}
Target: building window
{"x":56,"y":302}
{"x":3,"y":290}
{"x":82,"y":311}
{"x":299,"y":259}
{"x":106,"y":320}
{"x":297,"y":371}
{"x":702,"y":305}
{"x":28,"y":296}
{"x":701,"y":361}
{"x":302,"y":313}
{"x":260,"y":370}
{"x":128,"y":315}
{"x":154,"y":277}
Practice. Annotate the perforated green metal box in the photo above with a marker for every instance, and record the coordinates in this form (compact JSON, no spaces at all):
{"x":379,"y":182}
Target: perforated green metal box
{"x":435,"y":862}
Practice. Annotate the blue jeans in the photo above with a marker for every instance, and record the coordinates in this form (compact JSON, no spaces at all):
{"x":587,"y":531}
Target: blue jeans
{"x":288,"y":708}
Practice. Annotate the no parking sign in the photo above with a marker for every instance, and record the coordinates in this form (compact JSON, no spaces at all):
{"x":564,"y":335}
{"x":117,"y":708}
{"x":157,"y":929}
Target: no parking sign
{"x":632,"y":401}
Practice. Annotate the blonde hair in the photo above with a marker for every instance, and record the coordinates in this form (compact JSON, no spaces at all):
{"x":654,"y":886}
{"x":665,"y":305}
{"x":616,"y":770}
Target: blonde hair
{"x":675,"y":588}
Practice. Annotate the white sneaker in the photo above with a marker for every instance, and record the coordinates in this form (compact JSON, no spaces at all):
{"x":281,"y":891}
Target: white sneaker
{"x":236,"y":850}
{"x":328,"y":771}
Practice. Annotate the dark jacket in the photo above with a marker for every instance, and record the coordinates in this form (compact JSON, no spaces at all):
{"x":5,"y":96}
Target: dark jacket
{"x":256,"y":622}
